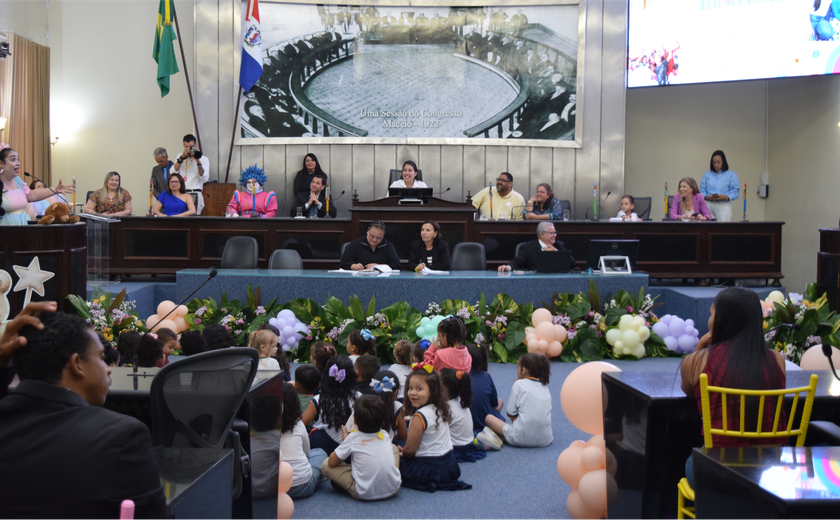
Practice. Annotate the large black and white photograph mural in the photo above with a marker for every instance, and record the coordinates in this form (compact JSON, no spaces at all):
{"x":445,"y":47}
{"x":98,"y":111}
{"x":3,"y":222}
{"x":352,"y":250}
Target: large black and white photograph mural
{"x":402,"y":74}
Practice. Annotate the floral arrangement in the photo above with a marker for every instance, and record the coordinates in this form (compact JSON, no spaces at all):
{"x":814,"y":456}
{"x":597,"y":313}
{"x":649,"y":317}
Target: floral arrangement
{"x":109,"y":315}
{"x":239,"y":320}
{"x":816,"y":323}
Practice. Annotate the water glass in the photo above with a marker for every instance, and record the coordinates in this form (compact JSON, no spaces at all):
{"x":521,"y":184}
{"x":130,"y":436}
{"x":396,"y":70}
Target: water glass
{"x":566,"y":215}
{"x":299,"y":212}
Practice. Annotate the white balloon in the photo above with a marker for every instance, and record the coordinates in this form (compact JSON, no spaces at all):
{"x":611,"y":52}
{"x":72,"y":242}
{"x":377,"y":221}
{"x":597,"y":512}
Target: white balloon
{"x":638,"y":321}
{"x":613,"y":335}
{"x":624,"y":322}
{"x":630,"y":338}
{"x":639,"y":351}
{"x":644,"y":333}
{"x":775,"y":296}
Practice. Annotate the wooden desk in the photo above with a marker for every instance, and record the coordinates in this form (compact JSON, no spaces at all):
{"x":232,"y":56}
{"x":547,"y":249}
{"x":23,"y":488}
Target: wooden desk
{"x":651,"y":426}
{"x":783,"y":482}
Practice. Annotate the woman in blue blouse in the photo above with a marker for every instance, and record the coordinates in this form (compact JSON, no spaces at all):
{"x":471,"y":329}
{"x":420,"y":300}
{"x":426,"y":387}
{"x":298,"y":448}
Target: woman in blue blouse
{"x":719,"y":186}
{"x":175,"y":201}
{"x":544,"y":205}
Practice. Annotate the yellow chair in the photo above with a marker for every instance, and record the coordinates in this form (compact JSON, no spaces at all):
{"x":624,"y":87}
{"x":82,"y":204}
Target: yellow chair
{"x":684,"y":491}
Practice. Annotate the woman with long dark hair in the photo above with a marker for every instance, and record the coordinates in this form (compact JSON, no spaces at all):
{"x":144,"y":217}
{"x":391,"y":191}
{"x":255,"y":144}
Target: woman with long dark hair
{"x":311,"y":168}
{"x":737,"y":358}
{"x":431,"y":251}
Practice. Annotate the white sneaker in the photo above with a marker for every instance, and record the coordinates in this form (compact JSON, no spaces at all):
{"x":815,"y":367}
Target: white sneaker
{"x":489,"y":439}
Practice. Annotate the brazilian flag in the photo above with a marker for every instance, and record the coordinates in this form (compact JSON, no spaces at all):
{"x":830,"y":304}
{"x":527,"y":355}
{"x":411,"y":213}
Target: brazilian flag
{"x":164,"y":53}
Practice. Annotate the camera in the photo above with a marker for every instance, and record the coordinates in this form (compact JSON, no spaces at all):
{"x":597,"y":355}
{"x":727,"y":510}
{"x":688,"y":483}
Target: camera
{"x":196,"y":154}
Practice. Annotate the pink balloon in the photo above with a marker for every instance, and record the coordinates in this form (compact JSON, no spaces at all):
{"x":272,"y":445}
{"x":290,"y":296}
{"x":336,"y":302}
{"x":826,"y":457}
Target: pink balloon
{"x":166,"y":324}
{"x":597,"y":441}
{"x":577,"y":508}
{"x":165,"y":307}
{"x":612,"y":463}
{"x":814,"y":359}
{"x":540,"y":316}
{"x":555,"y":348}
{"x":560,"y":333}
{"x":545,"y":331}
{"x":581,"y":444}
{"x":529,"y":337}
{"x":570,"y":467}
{"x":592,"y":458}
{"x":181,"y":310}
{"x":542,"y":345}
{"x":284,"y":477}
{"x":151,"y":321}
{"x":533,"y":345}
{"x":580,"y":396}
{"x":181,"y":323}
{"x":593,"y":489}
{"x":285,"y":506}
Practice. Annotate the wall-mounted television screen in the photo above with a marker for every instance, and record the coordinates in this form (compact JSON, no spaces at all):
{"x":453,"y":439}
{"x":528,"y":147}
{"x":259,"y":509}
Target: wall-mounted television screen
{"x":674,"y":42}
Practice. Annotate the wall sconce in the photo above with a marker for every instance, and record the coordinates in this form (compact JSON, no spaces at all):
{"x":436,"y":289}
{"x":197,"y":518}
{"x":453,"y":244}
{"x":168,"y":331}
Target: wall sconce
{"x":54,"y":140}
{"x":2,"y":126}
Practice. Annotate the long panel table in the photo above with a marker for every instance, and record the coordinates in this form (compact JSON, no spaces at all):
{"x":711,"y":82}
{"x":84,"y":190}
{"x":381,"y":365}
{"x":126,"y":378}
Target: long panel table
{"x":416,"y":289}
{"x":666,"y":249}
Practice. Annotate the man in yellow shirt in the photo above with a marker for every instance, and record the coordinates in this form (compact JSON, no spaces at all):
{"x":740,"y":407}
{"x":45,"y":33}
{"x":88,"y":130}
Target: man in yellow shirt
{"x":507,"y":204}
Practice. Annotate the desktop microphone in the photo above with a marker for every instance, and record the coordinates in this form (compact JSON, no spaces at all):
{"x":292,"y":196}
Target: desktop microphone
{"x":586,"y":215}
{"x":490,"y":187}
{"x":827,"y":352}
{"x":335,"y":199}
{"x":438,"y":194}
{"x":27,"y":174}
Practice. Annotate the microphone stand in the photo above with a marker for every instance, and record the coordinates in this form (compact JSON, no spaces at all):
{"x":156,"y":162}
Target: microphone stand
{"x":586,"y":215}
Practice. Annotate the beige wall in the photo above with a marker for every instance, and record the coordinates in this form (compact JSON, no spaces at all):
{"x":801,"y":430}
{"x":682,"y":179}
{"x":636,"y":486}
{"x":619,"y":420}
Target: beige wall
{"x":804,"y":159}
{"x":106,"y":107}
{"x":27,"y":18}
{"x":672,"y":132}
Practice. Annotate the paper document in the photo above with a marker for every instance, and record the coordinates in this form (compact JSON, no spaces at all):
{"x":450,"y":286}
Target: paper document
{"x":426,"y":270}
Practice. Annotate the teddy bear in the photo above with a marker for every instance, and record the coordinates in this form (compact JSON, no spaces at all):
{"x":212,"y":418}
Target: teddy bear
{"x":58,"y":213}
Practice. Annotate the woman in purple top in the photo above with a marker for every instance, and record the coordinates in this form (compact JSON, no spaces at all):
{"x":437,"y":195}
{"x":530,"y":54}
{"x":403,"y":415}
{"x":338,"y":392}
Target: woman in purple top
{"x":691,"y":205}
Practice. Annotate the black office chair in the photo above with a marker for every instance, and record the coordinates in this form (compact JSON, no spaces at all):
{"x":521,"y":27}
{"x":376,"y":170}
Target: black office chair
{"x":566,"y":205}
{"x":343,"y":248}
{"x":194,"y":196}
{"x":285,"y":259}
{"x":397,"y":174}
{"x":519,"y":247}
{"x":643,"y":205}
{"x":89,"y":195}
{"x":469,"y":256}
{"x":240,"y":253}
{"x":195,"y":401}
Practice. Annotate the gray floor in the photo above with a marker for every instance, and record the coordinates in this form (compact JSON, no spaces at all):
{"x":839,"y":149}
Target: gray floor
{"x":511,"y":483}
{"x":410,"y":78}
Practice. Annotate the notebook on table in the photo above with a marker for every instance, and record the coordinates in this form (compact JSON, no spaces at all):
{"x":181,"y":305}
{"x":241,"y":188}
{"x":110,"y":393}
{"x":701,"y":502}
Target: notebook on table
{"x":553,"y":261}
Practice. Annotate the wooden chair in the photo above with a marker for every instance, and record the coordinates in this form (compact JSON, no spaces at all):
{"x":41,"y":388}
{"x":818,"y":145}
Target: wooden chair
{"x":684,"y":490}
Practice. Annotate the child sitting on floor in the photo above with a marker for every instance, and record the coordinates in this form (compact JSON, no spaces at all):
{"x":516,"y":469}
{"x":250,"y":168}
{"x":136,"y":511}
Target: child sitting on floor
{"x":307,"y":379}
{"x":332,"y":407}
{"x":385,"y":385}
{"x":265,"y":342}
{"x":374,"y":473}
{"x":366,"y":367}
{"x":294,"y":444}
{"x":448,"y":350}
{"x":458,"y":391}
{"x":402,"y":366}
{"x":169,"y":340}
{"x":427,"y":463}
{"x":359,"y":343}
{"x":529,"y":408}
{"x":150,"y":351}
{"x":192,"y":343}
{"x":485,"y":400}
{"x":320,"y":353}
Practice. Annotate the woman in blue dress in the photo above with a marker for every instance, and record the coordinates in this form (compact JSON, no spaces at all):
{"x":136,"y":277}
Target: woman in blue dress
{"x":175,"y":201}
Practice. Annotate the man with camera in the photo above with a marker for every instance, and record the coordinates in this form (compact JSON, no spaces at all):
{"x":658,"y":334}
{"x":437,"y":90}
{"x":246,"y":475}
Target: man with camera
{"x":194,"y":167}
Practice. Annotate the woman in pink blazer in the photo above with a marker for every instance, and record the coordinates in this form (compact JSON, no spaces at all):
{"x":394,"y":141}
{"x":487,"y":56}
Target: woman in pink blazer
{"x":690,"y":205}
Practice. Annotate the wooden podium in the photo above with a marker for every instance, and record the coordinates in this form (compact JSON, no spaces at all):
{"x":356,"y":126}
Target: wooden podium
{"x":828,"y":266}
{"x":47,"y":259}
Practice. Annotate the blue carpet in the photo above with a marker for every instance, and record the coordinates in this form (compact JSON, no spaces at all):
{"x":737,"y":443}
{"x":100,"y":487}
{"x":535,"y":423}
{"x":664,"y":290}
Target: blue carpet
{"x":511,"y":483}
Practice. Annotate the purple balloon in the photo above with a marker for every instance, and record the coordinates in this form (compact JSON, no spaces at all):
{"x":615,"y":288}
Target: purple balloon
{"x":677,"y":326}
{"x":661,"y":329}
{"x":287,"y":331}
{"x":672,"y":343}
{"x":689,"y":323}
{"x":666,"y":319}
{"x":279,"y":323}
{"x":686,"y":343}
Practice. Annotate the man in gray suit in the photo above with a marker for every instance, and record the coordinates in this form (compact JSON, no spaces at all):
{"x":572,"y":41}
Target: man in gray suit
{"x":160,"y":173}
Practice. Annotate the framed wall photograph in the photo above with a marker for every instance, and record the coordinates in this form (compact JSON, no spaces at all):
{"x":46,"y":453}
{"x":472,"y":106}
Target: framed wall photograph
{"x":390,"y":73}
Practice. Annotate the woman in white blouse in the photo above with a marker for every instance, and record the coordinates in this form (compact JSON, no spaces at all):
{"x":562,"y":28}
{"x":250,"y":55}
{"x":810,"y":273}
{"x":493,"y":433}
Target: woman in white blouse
{"x":409,"y":179}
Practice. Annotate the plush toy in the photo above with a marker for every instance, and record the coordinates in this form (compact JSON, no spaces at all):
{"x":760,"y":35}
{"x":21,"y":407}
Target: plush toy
{"x":58,"y":213}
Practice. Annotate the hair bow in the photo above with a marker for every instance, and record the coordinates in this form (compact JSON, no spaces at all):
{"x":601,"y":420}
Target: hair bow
{"x":425,"y":344}
{"x":366,"y":334}
{"x":386,"y":385}
{"x":152,"y":334}
{"x":423,"y":365}
{"x":337,"y":374}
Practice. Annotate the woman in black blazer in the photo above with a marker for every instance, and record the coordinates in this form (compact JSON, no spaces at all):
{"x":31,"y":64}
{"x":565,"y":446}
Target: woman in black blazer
{"x":432,"y":252}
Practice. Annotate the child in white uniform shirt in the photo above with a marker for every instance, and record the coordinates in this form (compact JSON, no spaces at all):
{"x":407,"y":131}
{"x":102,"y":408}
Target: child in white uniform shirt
{"x":628,"y":204}
{"x":458,"y":389}
{"x":374,"y":473}
{"x":529,"y":407}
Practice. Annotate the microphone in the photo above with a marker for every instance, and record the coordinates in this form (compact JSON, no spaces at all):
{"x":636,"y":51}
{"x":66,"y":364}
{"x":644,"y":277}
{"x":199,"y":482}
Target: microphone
{"x":791,"y":326}
{"x":586,"y":215}
{"x":490,"y":187}
{"x":212,"y":274}
{"x":827,"y":352}
{"x":27,"y":174}
{"x":442,"y":192}
{"x":333,"y":200}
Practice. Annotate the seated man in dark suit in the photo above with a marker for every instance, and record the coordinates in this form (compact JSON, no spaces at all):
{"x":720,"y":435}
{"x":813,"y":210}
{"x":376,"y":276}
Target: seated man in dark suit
{"x":314,"y":203}
{"x":527,"y":257}
{"x":63,"y":455}
{"x":369,"y":250}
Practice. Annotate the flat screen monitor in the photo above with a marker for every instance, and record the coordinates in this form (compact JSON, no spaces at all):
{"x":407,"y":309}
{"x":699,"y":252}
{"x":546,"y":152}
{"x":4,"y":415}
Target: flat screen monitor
{"x":700,"y":41}
{"x":411,"y":193}
{"x":599,"y":248}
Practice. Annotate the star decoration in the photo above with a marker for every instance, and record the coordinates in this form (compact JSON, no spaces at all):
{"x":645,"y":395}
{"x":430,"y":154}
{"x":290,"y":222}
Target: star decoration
{"x":31,"y":278}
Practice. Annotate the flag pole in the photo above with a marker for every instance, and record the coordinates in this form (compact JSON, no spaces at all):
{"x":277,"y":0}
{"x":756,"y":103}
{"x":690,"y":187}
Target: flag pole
{"x":233,"y":134}
{"x":186,"y":74}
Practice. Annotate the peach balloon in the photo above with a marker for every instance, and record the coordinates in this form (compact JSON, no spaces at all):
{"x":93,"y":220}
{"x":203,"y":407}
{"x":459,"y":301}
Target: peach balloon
{"x":165,"y":307}
{"x":579,"y":443}
{"x":578,"y":509}
{"x":151,"y":321}
{"x":540,"y":316}
{"x":569,"y":465}
{"x":612,"y":463}
{"x":284,"y":477}
{"x":580,"y":396}
{"x":181,"y":310}
{"x":597,"y":441}
{"x":181,"y":323}
{"x":542,"y":345}
{"x":560,"y":333}
{"x":814,"y":359}
{"x":529,"y":338}
{"x":166,"y":324}
{"x":555,"y":348}
{"x":593,"y":489}
{"x":285,"y":506}
{"x":592,"y":458}
{"x":533,"y":345}
{"x":545,"y":331}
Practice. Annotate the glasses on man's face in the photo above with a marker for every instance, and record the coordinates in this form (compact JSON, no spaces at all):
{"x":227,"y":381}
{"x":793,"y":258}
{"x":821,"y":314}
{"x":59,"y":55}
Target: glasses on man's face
{"x":552,"y":233}
{"x":375,"y":238}
{"x":502,"y":179}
